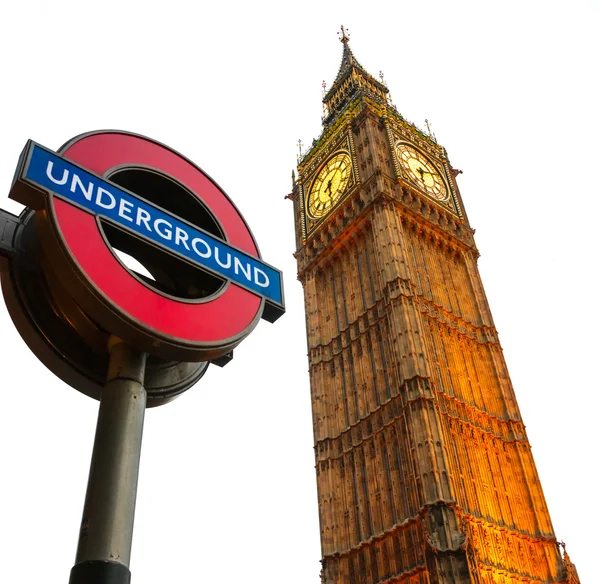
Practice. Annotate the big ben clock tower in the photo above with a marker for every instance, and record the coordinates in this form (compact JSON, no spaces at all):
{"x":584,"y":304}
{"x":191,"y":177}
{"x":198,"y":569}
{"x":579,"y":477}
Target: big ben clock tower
{"x":424,"y":470}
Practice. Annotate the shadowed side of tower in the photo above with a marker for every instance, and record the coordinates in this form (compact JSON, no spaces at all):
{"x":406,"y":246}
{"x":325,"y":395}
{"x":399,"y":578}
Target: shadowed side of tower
{"x":424,"y":470}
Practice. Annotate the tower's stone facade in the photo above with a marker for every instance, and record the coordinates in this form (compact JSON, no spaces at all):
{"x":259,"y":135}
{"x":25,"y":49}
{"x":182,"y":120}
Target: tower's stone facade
{"x":424,"y":470}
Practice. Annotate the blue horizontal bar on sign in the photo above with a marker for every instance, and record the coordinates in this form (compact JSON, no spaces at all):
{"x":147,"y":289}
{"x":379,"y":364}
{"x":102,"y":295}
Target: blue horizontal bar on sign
{"x":105,"y":199}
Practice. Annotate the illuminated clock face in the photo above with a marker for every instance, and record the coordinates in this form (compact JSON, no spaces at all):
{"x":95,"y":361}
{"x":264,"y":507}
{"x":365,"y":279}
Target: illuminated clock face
{"x":422,"y":172}
{"x":329,"y":185}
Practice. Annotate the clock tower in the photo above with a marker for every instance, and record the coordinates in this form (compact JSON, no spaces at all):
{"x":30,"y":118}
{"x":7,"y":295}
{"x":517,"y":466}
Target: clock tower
{"x":424,"y":470}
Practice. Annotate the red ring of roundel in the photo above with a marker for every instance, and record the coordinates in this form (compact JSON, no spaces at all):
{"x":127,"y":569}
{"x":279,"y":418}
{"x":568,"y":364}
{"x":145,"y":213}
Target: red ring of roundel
{"x":226,"y":316}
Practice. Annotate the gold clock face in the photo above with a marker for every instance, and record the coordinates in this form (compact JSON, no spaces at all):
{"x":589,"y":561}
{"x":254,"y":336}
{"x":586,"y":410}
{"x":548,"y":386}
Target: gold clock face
{"x":329,"y":185}
{"x":422,"y":172}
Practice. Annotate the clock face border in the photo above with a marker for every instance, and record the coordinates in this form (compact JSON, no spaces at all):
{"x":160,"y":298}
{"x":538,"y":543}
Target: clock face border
{"x":338,"y":141}
{"x":432,"y":181}
{"x":328,"y":176}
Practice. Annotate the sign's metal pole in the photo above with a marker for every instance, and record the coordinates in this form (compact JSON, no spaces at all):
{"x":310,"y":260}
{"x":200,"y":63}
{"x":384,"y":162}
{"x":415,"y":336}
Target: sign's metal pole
{"x":104,"y":548}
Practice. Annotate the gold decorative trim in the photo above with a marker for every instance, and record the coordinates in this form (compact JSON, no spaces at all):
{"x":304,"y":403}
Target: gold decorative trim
{"x":302,"y":213}
{"x":342,"y":146}
{"x":391,"y":143}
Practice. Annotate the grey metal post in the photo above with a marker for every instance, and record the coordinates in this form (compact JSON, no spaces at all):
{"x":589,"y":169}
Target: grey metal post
{"x":104,"y":548}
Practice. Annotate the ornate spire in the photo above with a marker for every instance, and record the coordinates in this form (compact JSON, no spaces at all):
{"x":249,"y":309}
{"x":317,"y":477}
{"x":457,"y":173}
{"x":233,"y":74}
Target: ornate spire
{"x":352,"y":79}
{"x":344,"y":38}
{"x":348,"y":58}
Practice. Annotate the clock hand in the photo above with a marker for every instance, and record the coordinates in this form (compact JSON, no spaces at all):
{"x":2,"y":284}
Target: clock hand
{"x":422,"y":172}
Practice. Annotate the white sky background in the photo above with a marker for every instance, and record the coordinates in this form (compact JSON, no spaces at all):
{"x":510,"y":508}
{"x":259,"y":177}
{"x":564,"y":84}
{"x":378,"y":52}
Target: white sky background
{"x":227,"y":486}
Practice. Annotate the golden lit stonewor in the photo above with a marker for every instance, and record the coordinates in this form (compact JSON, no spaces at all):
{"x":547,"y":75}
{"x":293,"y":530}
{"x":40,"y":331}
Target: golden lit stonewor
{"x":424,"y":470}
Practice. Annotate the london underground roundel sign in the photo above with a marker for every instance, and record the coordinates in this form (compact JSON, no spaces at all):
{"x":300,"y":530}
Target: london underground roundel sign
{"x":203,"y":286}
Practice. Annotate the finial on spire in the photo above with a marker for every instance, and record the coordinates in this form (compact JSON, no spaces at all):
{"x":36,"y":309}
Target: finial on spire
{"x":431,"y":134}
{"x":344,"y":37}
{"x":299,"y":155}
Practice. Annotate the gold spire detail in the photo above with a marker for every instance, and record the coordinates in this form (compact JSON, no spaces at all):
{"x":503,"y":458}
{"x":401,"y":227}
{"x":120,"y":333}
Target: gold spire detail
{"x":352,"y":79}
{"x":344,"y":38}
